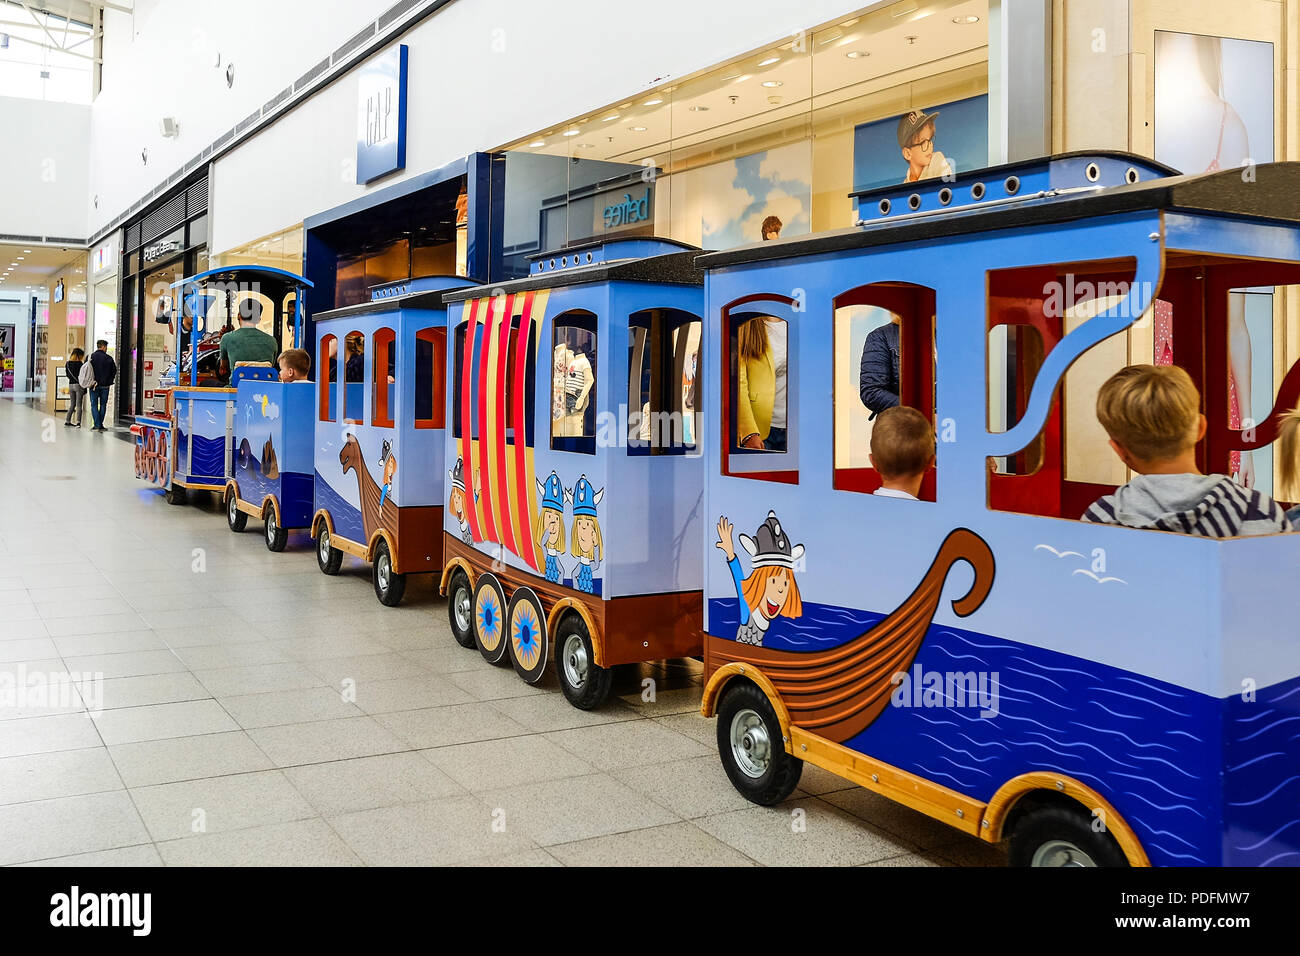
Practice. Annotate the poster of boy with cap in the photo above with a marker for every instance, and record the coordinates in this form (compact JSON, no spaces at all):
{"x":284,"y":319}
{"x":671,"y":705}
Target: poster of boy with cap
{"x":771,"y":590}
{"x":457,"y":502}
{"x":587,"y":546}
{"x":916,"y":139}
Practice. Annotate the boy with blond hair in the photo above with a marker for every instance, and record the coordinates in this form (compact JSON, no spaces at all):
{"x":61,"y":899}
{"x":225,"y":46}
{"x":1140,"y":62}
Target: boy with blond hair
{"x":902,"y":451}
{"x":295,"y":365}
{"x":1152,"y":415}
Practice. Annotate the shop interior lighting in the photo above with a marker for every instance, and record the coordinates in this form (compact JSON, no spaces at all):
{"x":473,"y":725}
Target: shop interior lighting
{"x":638,"y":129}
{"x":969,"y":19}
{"x":610,"y":118}
{"x":654,"y":101}
{"x":769,"y":61}
{"x":772,"y":83}
{"x":857,"y":54}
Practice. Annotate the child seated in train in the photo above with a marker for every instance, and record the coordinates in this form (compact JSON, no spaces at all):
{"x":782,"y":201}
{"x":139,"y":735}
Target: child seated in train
{"x":1152,"y":415}
{"x":902,"y":451}
{"x":1288,"y":449}
{"x":295,"y":365}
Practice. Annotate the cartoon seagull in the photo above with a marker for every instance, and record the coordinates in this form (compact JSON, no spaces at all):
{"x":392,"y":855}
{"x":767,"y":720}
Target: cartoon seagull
{"x":389,"y":463}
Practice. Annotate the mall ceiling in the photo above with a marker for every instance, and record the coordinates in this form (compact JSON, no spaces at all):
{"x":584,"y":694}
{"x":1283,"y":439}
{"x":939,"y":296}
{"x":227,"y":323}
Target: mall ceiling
{"x":32,"y":268}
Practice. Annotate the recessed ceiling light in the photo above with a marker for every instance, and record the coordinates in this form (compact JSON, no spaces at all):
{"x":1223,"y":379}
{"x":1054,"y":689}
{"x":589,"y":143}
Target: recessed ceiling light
{"x":572,"y":132}
{"x":772,"y":83}
{"x":849,"y":23}
{"x":20,"y":257}
{"x":27,"y":250}
{"x":830,"y":37}
{"x":699,"y":109}
{"x":769,"y":61}
{"x":857,"y":54}
{"x":610,"y":118}
{"x":970,"y":19}
{"x":637,"y":129}
{"x":586,"y":146}
{"x":537,"y":142}
{"x":654,"y":101}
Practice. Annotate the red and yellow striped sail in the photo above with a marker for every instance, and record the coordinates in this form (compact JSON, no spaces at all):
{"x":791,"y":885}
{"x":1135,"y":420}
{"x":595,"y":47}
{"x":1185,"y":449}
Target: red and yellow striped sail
{"x":500,"y":481}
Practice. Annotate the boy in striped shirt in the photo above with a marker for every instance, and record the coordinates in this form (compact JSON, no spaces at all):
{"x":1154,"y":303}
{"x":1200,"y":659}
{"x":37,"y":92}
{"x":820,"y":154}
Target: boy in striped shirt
{"x":1152,"y":415}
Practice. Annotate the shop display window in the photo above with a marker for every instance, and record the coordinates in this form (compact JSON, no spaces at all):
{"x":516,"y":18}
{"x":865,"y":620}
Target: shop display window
{"x":573,"y":383}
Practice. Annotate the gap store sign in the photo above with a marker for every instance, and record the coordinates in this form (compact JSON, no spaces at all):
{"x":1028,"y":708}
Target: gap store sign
{"x":381,"y":115}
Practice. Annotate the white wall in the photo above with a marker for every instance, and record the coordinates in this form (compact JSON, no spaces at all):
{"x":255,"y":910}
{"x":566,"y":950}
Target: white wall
{"x":161,"y":62}
{"x":482,"y":73}
{"x":43,"y":168}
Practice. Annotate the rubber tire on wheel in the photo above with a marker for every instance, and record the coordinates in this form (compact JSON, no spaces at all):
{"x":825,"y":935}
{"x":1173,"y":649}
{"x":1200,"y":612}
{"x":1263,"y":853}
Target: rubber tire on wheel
{"x":490,"y":619}
{"x":236,"y":520}
{"x":381,"y":570}
{"x":328,"y":559}
{"x":526,"y":635}
{"x":175,"y":494}
{"x":781,"y":774}
{"x":460,"y":594}
{"x":139,"y":460}
{"x":589,"y":691}
{"x":274,"y":536}
{"x":1060,"y":823}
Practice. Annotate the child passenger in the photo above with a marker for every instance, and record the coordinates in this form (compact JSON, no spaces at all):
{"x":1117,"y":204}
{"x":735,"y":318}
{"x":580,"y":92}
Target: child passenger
{"x":295,"y":365}
{"x":1288,"y":449}
{"x":902,"y":451}
{"x":1152,"y":415}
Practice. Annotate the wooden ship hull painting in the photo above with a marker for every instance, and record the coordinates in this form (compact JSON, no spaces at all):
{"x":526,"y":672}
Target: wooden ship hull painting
{"x":412,"y":530}
{"x":837,"y":693}
{"x":373,"y":514}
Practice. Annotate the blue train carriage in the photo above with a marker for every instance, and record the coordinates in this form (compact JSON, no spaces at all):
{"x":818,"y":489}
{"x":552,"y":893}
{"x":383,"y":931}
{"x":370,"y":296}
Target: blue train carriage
{"x":1095,"y":694}
{"x":273,"y":440}
{"x":203,"y":417}
{"x":574,"y":469}
{"x":378,"y":478}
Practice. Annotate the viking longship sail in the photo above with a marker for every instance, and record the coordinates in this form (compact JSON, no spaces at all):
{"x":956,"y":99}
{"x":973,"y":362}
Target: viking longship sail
{"x":837,"y":693}
{"x":372,"y":516}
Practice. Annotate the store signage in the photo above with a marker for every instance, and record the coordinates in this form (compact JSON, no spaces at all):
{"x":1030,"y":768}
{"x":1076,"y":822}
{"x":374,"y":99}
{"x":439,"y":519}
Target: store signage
{"x":628,"y":211}
{"x":381,"y":115}
{"x":160,"y":249}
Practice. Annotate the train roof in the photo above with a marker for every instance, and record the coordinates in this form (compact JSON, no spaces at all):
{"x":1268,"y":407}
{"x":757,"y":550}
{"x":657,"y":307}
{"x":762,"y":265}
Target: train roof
{"x":1061,"y":188}
{"x":425,"y":292}
{"x":246,"y":273}
{"x":642,"y":259}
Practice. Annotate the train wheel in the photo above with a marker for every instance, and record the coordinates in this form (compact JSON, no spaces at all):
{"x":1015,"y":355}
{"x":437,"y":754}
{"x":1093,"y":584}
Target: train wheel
{"x":276,"y":537}
{"x":490,"y":619}
{"x":584,"y":682}
{"x":389,"y":585}
{"x":175,"y":494}
{"x":752,"y":749}
{"x":329,"y":558}
{"x":139,"y":460}
{"x":236,"y":520}
{"x":460,"y":608}
{"x":1057,"y":834}
{"x":526,"y":622}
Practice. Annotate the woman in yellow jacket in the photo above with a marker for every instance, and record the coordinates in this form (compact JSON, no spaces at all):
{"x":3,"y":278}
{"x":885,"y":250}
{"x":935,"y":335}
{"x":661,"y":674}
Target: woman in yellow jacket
{"x":761,"y":385}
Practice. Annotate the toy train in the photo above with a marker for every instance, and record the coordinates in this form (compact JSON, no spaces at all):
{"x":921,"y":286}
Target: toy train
{"x":1097,"y":695}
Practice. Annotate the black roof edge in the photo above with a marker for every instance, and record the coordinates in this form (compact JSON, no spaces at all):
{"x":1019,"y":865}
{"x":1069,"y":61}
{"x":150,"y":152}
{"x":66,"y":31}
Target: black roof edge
{"x":593,"y":243}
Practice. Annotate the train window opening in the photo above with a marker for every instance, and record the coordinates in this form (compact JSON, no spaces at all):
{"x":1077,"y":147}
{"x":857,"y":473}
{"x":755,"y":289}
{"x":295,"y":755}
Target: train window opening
{"x":1029,"y":311}
{"x":430,"y":378}
{"x":528,"y":376}
{"x":573,"y":383}
{"x":466,"y":404}
{"x":883,"y":356}
{"x":354,"y":376}
{"x":326,"y":373}
{"x":662,"y":404}
{"x":759,"y":389}
{"x":384,"y":378}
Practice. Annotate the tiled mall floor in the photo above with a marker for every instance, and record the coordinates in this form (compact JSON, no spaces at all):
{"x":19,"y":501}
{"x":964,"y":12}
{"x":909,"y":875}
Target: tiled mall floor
{"x":225,"y":739}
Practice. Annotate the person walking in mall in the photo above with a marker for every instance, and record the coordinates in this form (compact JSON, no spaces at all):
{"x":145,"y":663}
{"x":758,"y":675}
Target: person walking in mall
{"x":105,"y":375}
{"x":247,"y":343}
{"x":76,"y":394}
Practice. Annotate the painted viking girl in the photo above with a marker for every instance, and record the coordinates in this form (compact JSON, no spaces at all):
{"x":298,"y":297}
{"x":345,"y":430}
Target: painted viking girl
{"x":549,"y":532}
{"x":588,"y":546}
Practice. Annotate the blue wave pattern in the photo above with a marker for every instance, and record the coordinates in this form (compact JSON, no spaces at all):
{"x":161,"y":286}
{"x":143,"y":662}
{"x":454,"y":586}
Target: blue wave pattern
{"x":346,"y":517}
{"x":292,"y":490}
{"x":1262,"y":777}
{"x":1152,"y":749}
{"x":209,"y":464}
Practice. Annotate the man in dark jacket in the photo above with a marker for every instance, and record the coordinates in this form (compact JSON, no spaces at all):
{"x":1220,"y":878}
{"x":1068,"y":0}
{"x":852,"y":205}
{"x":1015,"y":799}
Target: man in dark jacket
{"x":105,"y":375}
{"x":878,"y":373}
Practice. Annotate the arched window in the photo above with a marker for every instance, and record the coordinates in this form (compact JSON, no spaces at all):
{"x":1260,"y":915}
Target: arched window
{"x":354,"y":377}
{"x":327,"y":372}
{"x":383,"y":373}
